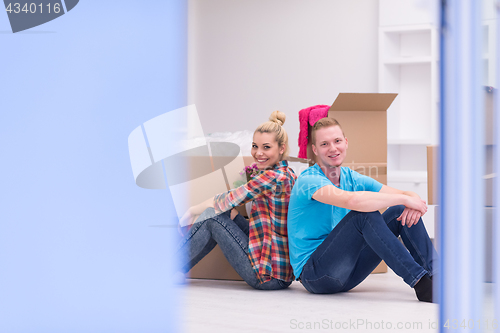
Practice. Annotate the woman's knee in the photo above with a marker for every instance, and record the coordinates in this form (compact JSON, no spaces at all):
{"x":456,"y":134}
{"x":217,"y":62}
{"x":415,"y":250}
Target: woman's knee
{"x":211,"y":224}
{"x":210,"y":210}
{"x":207,"y":213}
{"x":221,"y":222}
{"x":274,"y":284}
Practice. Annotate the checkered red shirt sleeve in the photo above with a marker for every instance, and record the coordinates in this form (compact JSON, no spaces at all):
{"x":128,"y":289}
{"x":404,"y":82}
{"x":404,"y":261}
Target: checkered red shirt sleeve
{"x":268,"y":237}
{"x":258,"y":186}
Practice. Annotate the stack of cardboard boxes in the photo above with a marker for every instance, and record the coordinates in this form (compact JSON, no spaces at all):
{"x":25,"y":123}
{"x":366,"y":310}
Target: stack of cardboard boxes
{"x":363,"y":118}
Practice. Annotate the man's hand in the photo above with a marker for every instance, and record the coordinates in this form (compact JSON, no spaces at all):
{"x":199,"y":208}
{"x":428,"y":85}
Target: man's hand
{"x":416,"y":203}
{"x":409,"y":217}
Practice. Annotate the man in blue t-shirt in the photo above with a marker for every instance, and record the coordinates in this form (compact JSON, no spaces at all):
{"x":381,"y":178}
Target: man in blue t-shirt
{"x":336,"y":234}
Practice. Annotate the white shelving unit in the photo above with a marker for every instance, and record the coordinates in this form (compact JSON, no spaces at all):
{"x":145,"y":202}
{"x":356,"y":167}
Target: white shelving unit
{"x":408,"y":65}
{"x":424,"y":142}
{"x":489,"y":52}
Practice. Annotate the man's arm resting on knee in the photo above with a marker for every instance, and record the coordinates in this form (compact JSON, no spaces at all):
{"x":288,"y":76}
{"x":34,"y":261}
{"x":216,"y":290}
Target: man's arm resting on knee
{"x":409,"y":216}
{"x":392,"y":190}
{"x":364,"y":201}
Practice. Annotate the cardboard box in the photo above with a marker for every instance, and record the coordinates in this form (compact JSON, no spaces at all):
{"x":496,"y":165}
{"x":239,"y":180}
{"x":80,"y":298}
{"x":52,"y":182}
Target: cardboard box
{"x":432,"y":156}
{"x":433,"y":176}
{"x":363,"y":118}
{"x":215,"y":265}
{"x":432,"y":173}
{"x":198,"y":174}
{"x":199,"y":166}
{"x":489,"y":212}
{"x":488,"y":106}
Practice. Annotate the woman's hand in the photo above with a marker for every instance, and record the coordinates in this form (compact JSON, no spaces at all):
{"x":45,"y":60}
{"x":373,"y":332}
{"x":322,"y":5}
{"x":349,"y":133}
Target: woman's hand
{"x":234,"y":213}
{"x":188,"y":218}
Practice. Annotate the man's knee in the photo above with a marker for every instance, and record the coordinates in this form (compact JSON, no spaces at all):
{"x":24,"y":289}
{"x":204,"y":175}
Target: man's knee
{"x":398,"y":209}
{"x":391,"y":215}
{"x":373,"y":215}
{"x":360,"y":218}
{"x":367,"y":214}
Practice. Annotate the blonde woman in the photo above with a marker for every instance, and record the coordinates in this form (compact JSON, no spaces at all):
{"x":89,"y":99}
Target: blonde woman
{"x":256,"y":248}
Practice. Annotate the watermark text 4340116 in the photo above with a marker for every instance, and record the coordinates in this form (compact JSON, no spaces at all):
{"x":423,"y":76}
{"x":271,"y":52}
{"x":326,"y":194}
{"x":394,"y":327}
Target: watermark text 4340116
{"x":25,"y":15}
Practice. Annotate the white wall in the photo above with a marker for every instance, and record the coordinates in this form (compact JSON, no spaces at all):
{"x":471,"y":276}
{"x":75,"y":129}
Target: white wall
{"x":249,"y":58}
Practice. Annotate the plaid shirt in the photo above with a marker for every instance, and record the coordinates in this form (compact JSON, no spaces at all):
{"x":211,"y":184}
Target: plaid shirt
{"x":268,"y":237}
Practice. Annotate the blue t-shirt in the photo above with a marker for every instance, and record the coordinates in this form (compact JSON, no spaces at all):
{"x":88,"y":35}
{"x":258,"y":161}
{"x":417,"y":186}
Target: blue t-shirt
{"x":311,"y":221}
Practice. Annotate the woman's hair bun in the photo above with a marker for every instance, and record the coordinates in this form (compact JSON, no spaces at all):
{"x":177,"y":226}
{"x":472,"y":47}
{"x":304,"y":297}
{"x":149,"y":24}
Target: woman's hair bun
{"x":278,"y":117}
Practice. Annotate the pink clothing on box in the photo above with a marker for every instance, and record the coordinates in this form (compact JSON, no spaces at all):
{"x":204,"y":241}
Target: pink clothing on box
{"x":309,"y":116}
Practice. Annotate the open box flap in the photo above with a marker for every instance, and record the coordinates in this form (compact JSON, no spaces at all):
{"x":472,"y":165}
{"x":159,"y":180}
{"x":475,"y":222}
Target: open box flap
{"x":362,"y":102}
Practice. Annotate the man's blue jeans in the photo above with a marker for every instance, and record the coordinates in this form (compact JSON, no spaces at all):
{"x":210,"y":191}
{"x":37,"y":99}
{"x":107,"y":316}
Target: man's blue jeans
{"x":356,"y":245}
{"x":232,"y":238}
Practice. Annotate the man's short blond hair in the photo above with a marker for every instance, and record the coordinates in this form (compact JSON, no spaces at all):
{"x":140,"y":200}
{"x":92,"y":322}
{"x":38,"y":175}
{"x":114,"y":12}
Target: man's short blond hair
{"x":323,"y":123}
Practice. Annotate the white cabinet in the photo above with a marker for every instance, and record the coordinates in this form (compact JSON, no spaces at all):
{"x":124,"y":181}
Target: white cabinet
{"x":488,"y":52}
{"x":408,"y":65}
{"x":408,"y":12}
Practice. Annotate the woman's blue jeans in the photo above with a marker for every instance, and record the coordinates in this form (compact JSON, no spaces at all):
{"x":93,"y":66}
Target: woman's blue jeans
{"x":232,"y":238}
{"x":358,"y":243}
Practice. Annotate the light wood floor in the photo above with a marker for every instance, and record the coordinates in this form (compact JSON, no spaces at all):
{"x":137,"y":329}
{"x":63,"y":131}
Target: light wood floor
{"x":383,"y":302}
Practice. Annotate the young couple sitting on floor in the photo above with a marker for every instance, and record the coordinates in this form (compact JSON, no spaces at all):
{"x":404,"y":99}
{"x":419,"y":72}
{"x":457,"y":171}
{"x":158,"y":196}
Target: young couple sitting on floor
{"x":322,"y":228}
